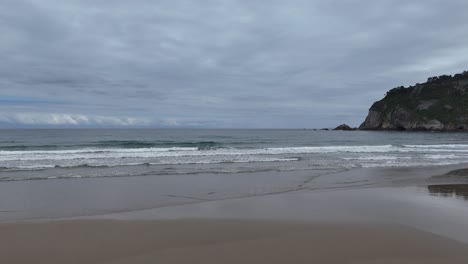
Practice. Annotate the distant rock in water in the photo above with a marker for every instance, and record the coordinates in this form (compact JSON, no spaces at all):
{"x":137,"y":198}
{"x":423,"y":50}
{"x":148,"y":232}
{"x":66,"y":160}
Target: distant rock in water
{"x":343,"y":127}
{"x":440,"y":104}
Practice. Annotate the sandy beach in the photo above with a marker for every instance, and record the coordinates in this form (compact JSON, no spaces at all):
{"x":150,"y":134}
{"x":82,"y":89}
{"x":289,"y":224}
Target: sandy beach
{"x":223,"y":241}
{"x":404,"y":215}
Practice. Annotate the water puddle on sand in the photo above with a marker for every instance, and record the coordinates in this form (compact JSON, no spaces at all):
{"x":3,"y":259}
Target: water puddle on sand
{"x":458,"y":191}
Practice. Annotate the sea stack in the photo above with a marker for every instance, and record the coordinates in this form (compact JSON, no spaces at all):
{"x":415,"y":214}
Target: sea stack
{"x":440,"y":104}
{"x":343,"y":127}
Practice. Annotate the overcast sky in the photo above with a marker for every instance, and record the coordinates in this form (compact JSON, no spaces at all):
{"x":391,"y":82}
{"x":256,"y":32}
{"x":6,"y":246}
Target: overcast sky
{"x":220,"y":63}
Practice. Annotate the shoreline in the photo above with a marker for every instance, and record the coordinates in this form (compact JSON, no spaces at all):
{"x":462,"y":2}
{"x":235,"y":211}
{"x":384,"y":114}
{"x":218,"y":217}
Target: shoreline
{"x":88,"y":197}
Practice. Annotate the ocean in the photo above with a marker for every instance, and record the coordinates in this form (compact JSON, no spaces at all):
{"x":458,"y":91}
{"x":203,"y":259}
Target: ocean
{"x":44,"y":154}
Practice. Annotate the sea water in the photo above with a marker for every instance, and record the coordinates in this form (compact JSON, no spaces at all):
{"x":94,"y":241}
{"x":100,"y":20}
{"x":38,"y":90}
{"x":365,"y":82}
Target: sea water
{"x":31,"y":154}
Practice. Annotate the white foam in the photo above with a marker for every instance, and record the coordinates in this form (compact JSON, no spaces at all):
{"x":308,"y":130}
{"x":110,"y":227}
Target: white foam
{"x":377,"y":158}
{"x":442,"y":156}
{"x":95,"y":150}
{"x":86,"y":154}
{"x":245,"y":159}
{"x":408,"y":164}
{"x":446,"y":146}
{"x":366,"y":155}
{"x":180,"y":152}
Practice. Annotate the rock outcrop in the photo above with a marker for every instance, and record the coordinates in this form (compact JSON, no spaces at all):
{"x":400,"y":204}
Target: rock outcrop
{"x":343,"y":127}
{"x":440,"y":104}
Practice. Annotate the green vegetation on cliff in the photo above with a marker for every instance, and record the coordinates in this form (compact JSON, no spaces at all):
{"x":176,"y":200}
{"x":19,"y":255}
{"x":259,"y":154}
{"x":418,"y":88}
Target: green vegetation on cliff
{"x":439,"y":104}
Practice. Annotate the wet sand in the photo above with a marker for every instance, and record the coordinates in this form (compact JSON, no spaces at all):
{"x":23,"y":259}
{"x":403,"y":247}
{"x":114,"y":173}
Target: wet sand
{"x":222,"y":241}
{"x":47,"y":199}
{"x":359,"y":216}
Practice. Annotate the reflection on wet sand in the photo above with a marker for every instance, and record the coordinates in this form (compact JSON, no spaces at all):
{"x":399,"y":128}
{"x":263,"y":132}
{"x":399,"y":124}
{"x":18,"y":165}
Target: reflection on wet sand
{"x":449,"y":190}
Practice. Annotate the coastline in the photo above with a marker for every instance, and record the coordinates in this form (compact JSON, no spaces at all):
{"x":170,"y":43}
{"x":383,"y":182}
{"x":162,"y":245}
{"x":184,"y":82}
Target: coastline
{"x":378,"y":215}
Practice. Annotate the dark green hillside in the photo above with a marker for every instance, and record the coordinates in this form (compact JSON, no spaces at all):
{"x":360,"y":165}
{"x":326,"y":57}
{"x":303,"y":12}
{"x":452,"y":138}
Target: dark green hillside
{"x":439,"y":104}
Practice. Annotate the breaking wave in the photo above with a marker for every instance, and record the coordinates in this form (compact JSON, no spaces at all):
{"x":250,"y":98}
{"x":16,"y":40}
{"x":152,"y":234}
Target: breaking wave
{"x":114,"y":154}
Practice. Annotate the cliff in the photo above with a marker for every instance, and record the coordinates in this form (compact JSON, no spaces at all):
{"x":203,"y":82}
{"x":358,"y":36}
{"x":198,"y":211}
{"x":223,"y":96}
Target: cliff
{"x":440,"y":104}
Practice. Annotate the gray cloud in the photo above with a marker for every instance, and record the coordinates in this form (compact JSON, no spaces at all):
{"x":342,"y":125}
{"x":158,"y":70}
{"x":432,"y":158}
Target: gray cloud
{"x":61,"y":119}
{"x":219,"y":63}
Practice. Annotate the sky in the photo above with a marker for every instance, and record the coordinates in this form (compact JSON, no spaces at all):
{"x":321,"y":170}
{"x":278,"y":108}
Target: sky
{"x":218,"y":63}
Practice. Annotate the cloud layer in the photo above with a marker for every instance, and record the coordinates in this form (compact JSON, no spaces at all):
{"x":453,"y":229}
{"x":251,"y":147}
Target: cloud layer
{"x":71,"y":120}
{"x":218,"y":63}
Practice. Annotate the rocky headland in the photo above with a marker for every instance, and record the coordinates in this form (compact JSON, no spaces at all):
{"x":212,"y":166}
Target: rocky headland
{"x":440,"y":104}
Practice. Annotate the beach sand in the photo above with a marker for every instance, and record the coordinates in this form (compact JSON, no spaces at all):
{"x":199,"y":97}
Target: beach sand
{"x":222,"y":241}
{"x":360,"y":216}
